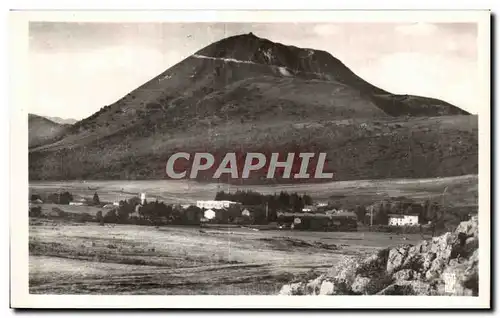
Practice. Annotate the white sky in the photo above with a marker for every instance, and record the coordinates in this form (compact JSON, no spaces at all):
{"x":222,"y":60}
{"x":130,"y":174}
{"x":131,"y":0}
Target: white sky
{"x":77,"y":68}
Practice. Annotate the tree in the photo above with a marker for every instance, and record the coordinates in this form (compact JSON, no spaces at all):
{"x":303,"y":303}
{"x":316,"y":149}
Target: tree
{"x":35,"y":197}
{"x":35,"y":211}
{"x":307,"y":199}
{"x":111,"y":217}
{"x":95,"y":199}
{"x":99,"y":218}
{"x":360,"y":213}
{"x":65,"y":198}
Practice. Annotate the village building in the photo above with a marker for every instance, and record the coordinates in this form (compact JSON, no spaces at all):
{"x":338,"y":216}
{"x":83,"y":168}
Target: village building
{"x":345,"y":221}
{"x":76,"y":203}
{"x":246,"y":212}
{"x":309,"y":208}
{"x":216,"y":204}
{"x":209,"y":214}
{"x":403,"y":219}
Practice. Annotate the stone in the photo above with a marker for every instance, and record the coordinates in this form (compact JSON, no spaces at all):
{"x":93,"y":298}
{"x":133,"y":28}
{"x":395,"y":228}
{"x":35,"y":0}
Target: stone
{"x":360,"y":285}
{"x":395,"y":259}
{"x":469,"y":228}
{"x":327,"y":288}
{"x":413,"y":262}
{"x":313,"y":286}
{"x":404,"y":274}
{"x":373,"y":264}
{"x":427,"y":260}
{"x":436,"y":269}
{"x":471,"y":245}
{"x":293,"y":289}
{"x":407,"y":288}
{"x":460,"y":280}
{"x":346,"y":271}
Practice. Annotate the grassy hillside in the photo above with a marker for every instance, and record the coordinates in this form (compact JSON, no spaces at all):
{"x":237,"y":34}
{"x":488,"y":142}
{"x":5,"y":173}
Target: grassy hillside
{"x":356,"y":149}
{"x":42,"y":130}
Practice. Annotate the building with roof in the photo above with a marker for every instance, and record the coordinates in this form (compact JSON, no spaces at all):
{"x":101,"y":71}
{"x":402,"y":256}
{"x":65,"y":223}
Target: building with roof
{"x":216,"y":204}
{"x":318,"y":221}
{"x":403,"y":219}
{"x":209,"y":214}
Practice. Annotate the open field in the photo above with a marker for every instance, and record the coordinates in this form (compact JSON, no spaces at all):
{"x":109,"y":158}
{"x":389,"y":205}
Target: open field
{"x":68,"y":258}
{"x":460,"y":190}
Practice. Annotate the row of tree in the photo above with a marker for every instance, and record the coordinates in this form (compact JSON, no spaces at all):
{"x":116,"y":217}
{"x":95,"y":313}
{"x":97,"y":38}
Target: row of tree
{"x":155,"y":212}
{"x":63,"y":198}
{"x":282,"y":201}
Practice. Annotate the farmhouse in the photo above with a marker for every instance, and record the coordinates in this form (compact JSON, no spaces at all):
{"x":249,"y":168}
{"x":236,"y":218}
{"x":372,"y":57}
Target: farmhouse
{"x":309,"y":208}
{"x":319,"y":221}
{"x":216,"y":204}
{"x":209,"y":214}
{"x":403,"y":219}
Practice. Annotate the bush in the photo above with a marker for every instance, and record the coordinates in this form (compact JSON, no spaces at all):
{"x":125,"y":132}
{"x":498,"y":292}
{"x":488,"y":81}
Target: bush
{"x":61,"y":198}
{"x":111,"y":217}
{"x":35,"y":197}
{"x":99,"y":218}
{"x":35,"y":211}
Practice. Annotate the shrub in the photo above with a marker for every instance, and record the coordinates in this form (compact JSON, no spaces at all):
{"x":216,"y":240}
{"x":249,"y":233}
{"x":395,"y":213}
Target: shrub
{"x":111,"y":217}
{"x":35,"y":211}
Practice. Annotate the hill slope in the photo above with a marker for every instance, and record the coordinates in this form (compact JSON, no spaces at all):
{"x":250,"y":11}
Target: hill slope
{"x":62,"y":121}
{"x":245,"y":94}
{"x":42,"y":130}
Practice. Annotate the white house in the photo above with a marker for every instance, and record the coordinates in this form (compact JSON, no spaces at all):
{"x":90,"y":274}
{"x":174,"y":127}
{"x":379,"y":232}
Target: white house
{"x":309,"y":208}
{"x":402,"y":220}
{"x":209,"y":214}
{"x":213,"y":204}
{"x":76,"y":203}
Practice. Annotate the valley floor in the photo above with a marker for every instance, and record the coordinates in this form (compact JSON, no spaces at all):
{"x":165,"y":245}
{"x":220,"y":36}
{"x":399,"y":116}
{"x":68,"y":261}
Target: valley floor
{"x":71,"y":258}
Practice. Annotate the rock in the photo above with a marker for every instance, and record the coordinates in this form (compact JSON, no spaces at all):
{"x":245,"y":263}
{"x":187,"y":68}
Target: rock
{"x":407,"y":288}
{"x":327,"y":288}
{"x":360,"y":285}
{"x":427,"y":261}
{"x":460,"y":280}
{"x":469,"y":228}
{"x":471,"y":245}
{"x":444,"y":265}
{"x":346,"y":272}
{"x":396,"y":259}
{"x":436,"y":269}
{"x":424,"y":246}
{"x":375,"y":263}
{"x":313,"y":286}
{"x":293,"y":289}
{"x":404,"y":274}
{"x":413,"y":262}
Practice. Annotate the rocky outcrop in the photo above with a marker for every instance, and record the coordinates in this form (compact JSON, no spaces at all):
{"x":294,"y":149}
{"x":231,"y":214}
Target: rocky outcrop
{"x":444,"y":265}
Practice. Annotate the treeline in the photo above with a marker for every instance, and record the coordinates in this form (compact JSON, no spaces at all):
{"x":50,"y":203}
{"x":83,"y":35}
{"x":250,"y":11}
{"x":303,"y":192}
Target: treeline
{"x":158,"y":213}
{"x":283,"y":201}
{"x":63,"y":198}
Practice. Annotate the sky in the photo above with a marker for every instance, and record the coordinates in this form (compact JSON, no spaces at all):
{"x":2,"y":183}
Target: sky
{"x":77,"y":68}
